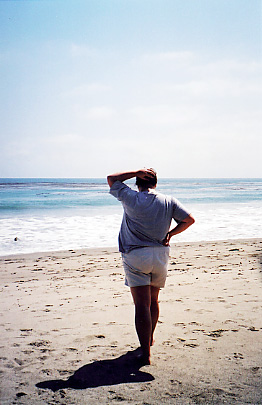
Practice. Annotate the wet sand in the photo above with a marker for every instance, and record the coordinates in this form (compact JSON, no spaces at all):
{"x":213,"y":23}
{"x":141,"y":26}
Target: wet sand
{"x":68,"y":336}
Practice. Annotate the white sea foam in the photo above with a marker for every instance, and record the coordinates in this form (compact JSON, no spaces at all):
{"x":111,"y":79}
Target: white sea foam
{"x":224,"y":221}
{"x":49,"y":233}
{"x":42,"y":233}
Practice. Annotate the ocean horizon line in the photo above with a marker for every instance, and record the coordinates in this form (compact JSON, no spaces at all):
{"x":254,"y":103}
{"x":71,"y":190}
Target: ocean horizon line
{"x":100,"y":178}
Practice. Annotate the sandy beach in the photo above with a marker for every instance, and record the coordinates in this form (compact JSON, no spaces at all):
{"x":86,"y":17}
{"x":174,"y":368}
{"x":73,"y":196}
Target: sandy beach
{"x":68,"y":336}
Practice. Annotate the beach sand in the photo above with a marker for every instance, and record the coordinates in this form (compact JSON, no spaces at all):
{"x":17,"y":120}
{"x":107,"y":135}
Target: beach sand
{"x":68,"y":336}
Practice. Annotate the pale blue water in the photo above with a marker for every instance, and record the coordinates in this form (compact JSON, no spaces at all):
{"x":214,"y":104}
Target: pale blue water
{"x":55,"y":214}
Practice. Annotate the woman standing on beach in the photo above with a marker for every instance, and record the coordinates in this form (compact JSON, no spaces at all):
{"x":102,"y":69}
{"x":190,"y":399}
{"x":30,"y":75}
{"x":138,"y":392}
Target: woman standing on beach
{"x":144,"y":243}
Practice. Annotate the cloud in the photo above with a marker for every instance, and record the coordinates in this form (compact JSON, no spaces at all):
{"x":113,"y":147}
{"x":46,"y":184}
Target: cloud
{"x":227,"y":68}
{"x":100,"y":113}
{"x":215,"y":87}
{"x":171,"y":56}
{"x":176,"y":106}
{"x":27,"y":145}
{"x":163,"y":114}
{"x":80,"y":50}
{"x":88,"y":89}
{"x":210,"y":97}
{"x":62,"y":140}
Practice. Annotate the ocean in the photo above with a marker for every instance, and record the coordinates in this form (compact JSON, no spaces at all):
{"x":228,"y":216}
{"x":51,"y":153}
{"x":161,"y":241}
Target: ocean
{"x":42,"y":215}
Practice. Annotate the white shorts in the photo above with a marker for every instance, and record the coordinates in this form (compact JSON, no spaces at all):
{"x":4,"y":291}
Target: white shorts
{"x":146,"y":266}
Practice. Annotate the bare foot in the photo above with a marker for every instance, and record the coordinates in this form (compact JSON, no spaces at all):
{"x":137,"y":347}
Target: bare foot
{"x":143,"y":360}
{"x":140,"y":358}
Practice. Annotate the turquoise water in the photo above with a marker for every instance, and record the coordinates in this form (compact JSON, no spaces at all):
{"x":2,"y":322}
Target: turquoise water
{"x":18,"y":195}
{"x":54,"y":214}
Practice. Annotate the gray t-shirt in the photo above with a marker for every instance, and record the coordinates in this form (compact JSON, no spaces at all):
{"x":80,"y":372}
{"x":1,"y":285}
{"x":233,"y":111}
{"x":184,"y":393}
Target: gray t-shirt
{"x":147,"y":216}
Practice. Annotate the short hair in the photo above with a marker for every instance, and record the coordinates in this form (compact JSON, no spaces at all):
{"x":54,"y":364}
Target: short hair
{"x":148,"y":182}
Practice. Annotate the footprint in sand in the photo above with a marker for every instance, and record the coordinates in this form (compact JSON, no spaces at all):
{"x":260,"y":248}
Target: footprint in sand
{"x":39,"y":343}
{"x":20,"y":394}
{"x":255,"y":369}
{"x":238,"y":356}
{"x":18,"y":361}
{"x":253,"y":329}
{"x":208,"y":396}
{"x":193,"y":345}
{"x":27,"y":351}
{"x":25,"y":332}
{"x":216,"y":333}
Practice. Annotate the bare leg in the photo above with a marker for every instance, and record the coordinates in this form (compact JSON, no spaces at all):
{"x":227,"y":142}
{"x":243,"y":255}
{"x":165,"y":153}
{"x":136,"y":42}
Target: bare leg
{"x":143,"y":322}
{"x":154,"y":309}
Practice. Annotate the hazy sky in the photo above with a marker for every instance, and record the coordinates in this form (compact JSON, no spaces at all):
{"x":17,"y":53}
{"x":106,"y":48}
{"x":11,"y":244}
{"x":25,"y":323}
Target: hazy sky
{"x":90,"y":87}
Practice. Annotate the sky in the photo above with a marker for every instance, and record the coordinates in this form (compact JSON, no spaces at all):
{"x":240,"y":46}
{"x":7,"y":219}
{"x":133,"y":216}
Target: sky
{"x":92,"y":87}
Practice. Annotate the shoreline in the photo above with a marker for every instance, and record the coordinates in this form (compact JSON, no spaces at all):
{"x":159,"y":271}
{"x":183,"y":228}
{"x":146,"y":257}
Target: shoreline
{"x":66,"y":316}
{"x":113,"y":248}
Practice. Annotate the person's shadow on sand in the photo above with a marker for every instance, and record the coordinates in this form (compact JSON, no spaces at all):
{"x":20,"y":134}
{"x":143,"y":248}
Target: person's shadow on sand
{"x":124,"y":369}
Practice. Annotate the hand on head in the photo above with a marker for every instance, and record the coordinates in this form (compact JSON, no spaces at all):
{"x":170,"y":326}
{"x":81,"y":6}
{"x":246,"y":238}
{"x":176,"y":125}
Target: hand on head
{"x":146,"y":174}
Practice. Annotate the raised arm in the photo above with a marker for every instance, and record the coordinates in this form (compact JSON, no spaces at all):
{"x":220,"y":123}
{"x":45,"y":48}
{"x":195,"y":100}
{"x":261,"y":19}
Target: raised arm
{"x":123,"y":176}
